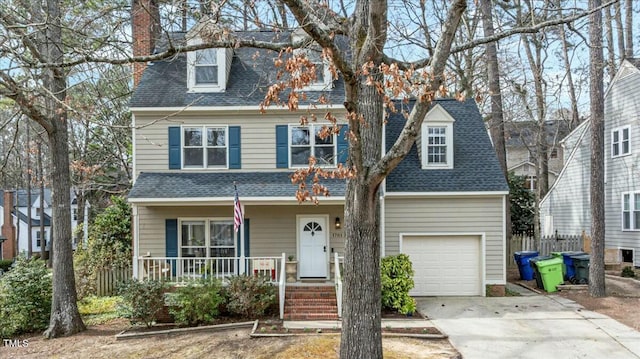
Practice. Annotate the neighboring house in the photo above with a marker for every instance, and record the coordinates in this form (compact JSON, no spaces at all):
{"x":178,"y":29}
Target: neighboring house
{"x":18,"y":217}
{"x":198,"y":130}
{"x":566,"y":208}
{"x":521,"y":149}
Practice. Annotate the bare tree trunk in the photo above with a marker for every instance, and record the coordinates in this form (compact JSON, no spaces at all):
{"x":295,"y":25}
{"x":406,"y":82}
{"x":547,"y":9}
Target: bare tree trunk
{"x":619,"y":30}
{"x":361,"y":321}
{"x":596,"y":265}
{"x":608,"y":19}
{"x":65,"y":318}
{"x":29,"y":204}
{"x":496,"y":123}
{"x":628,"y":28}
{"x":43,"y":250}
{"x":575,"y":118}
{"x":493,"y":75}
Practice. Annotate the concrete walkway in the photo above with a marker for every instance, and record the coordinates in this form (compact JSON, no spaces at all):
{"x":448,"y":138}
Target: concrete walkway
{"x":529,"y":326}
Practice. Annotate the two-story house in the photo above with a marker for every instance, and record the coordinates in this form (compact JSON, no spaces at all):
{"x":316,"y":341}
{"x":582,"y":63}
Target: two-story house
{"x":520,"y":142}
{"x":15,"y":221}
{"x":566,"y":208}
{"x":198,"y":134}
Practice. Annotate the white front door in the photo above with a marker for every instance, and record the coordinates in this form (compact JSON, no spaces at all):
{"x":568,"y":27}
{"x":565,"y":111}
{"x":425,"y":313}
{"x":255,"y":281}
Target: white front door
{"x":313,"y":234}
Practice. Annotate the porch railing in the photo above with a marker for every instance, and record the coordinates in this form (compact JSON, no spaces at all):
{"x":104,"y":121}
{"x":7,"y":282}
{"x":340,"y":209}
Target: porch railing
{"x":182,"y":269}
{"x":337,"y":277}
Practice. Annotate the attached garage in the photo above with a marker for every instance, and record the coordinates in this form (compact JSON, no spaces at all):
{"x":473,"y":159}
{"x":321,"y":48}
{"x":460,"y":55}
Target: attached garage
{"x":444,"y":264}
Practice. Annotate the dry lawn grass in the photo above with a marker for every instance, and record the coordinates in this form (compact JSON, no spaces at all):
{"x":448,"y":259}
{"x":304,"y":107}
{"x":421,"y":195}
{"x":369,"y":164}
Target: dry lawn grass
{"x":99,"y":342}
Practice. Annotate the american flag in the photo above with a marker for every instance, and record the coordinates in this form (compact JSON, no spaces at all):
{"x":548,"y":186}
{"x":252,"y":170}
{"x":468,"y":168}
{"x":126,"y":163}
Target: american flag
{"x":238,"y":216}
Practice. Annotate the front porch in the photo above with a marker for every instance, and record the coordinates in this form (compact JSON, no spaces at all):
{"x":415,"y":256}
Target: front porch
{"x":180,"y":270}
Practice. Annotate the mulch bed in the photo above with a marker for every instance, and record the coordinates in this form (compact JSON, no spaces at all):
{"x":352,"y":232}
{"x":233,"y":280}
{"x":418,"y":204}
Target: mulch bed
{"x":276,"y":327}
{"x":272,"y":326}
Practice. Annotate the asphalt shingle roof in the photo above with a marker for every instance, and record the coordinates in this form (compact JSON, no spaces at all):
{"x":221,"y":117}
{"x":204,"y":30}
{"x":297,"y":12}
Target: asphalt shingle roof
{"x":164,"y":83}
{"x":220,"y":184}
{"x":476,"y":166}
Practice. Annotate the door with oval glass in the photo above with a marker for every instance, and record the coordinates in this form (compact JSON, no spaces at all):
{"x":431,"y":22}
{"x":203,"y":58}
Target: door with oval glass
{"x":313,"y":235}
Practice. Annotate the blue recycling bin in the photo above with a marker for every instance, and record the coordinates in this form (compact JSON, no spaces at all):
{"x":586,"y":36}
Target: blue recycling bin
{"x":522,"y":260}
{"x":568,"y":264}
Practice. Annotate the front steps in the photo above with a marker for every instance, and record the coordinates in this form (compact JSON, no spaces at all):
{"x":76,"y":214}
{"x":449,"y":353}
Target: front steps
{"x":310,"y":303}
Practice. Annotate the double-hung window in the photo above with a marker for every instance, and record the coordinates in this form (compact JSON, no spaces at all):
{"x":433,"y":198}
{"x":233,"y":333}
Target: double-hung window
{"x":436,"y":145}
{"x":631,"y":211}
{"x":620,"y":145}
{"x":206,"y":67}
{"x":204,"y":147}
{"x":212,"y":238}
{"x":312,"y":141}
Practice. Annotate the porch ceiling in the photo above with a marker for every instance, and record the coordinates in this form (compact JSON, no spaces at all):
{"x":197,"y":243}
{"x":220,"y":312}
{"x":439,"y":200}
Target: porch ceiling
{"x":258,"y":186}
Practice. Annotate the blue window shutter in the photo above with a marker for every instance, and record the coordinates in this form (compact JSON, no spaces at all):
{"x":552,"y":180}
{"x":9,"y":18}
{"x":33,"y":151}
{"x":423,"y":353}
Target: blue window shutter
{"x":171,"y":241}
{"x":246,"y":239}
{"x":234,"y":147}
{"x":343,"y":144}
{"x":282,"y":146}
{"x":174,"y":147}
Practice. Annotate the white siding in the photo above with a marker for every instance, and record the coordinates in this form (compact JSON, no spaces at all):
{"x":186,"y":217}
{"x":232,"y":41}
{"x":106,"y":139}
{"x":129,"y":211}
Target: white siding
{"x":622,"y":108}
{"x":450,"y":215}
{"x":568,"y":202}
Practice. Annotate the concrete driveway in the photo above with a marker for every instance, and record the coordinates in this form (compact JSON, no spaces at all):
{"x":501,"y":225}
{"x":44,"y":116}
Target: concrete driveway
{"x":529,"y":326}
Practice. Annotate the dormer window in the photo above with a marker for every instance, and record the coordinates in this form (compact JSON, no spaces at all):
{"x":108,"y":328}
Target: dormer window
{"x":206,"y":67}
{"x":436,"y":143}
{"x":323,"y":74}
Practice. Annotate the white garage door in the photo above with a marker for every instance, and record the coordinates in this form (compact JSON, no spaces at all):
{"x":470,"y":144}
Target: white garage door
{"x":445,"y":265}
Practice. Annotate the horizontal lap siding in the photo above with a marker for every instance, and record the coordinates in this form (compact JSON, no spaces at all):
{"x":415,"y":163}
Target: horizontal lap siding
{"x":450,"y":215}
{"x":568,"y":201}
{"x":273,"y":228}
{"x":622,"y":108}
{"x":258,"y":143}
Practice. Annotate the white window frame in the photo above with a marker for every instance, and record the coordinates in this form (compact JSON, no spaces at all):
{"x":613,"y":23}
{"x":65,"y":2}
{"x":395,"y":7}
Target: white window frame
{"x":620,"y":132}
{"x":204,"y":147}
{"x":312,"y":145}
{"x":220,"y":86}
{"x":448,"y":127}
{"x":631,"y":210}
{"x":207,"y":237}
{"x":325,"y":83}
{"x":38,"y":239}
{"x":207,"y":234}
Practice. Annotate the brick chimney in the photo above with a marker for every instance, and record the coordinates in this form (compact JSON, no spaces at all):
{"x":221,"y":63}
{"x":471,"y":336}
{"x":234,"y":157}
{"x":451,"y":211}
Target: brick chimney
{"x":145,"y":29}
{"x":8,"y":228}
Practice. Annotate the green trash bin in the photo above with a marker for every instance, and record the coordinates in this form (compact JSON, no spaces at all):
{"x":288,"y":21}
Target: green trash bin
{"x":551,"y":273}
{"x":559,"y":255}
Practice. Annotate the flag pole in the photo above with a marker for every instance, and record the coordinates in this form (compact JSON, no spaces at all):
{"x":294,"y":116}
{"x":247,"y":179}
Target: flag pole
{"x":240,"y":231}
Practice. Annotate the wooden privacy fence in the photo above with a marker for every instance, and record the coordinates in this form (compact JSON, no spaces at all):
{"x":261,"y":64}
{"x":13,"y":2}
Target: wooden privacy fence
{"x":107,"y":279}
{"x":545,"y":245}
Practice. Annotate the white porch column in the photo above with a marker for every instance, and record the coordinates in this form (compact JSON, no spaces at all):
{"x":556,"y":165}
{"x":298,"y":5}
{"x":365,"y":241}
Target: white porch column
{"x":242,"y":249}
{"x":136,"y":238}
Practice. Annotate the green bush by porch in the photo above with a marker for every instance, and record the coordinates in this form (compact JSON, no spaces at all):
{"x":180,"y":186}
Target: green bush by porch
{"x":397,"y":281}
{"x":196,"y":303}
